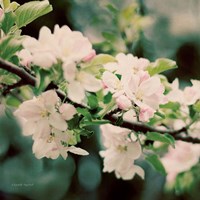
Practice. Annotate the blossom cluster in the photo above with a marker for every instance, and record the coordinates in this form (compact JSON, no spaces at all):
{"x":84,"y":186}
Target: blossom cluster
{"x":46,"y":119}
{"x":121,"y":152}
{"x":68,"y":48}
{"x":131,"y":85}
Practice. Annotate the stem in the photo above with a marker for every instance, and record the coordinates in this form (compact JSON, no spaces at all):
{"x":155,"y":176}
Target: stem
{"x":140,"y":127}
{"x":27,"y":79}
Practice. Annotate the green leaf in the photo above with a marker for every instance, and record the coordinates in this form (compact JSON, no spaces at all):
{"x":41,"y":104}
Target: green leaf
{"x":196,"y":106}
{"x":85,"y":113}
{"x":87,"y":133}
{"x":92,"y":101}
{"x":156,"y":163}
{"x":107,"y":98}
{"x":165,"y":138}
{"x":8,"y":22}
{"x":5,"y":3}
{"x":102,"y":59}
{"x":94,"y":122}
{"x":109,"y":36}
{"x":160,"y":115}
{"x":95,"y":65}
{"x":30,"y":11}
{"x":43,"y":80}
{"x":73,"y":123}
{"x":161,"y":65}
{"x":171,"y":105}
{"x":7,"y":77}
{"x":112,"y":8}
{"x":12,"y":101}
{"x":192,"y":111}
{"x":13,"y":6}
{"x":8,"y":47}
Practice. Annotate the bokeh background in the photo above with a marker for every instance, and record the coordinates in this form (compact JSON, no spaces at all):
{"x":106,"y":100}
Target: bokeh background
{"x":171,"y":29}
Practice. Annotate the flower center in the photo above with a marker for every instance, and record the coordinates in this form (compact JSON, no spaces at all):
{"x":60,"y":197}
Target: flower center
{"x":122,"y":149}
{"x":44,"y":113}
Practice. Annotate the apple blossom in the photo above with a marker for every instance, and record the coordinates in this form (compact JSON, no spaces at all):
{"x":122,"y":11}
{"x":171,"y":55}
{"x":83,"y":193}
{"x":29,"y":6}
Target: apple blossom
{"x":180,"y":159}
{"x":188,"y":96}
{"x":63,"y":44}
{"x":45,"y":118}
{"x":79,"y":82}
{"x":120,"y":152}
{"x":43,"y":50}
{"x":127,"y":64}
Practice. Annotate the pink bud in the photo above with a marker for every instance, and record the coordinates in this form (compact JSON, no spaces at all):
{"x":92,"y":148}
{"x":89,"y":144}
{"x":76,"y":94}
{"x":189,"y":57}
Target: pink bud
{"x":89,"y":56}
{"x":123,"y":102}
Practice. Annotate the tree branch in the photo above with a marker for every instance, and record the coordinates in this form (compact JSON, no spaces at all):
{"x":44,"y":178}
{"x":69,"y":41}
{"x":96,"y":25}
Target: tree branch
{"x":141,"y":127}
{"x":27,"y":79}
{"x":7,"y":88}
{"x":188,"y":139}
{"x":25,"y":76}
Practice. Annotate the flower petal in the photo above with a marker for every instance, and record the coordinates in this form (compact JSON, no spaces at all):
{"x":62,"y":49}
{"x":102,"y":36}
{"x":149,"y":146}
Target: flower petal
{"x":76,"y":92}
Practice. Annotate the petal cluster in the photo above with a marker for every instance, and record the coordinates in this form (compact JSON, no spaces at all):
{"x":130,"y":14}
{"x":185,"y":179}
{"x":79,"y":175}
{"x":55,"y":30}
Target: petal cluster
{"x":68,"y":48}
{"x":188,"y":96}
{"x":132,"y":86}
{"x":120,"y":152}
{"x":46,"y":119}
{"x":180,"y":159}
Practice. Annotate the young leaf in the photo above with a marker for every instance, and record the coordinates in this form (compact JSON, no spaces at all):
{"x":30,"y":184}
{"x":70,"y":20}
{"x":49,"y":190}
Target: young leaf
{"x":107,"y":98}
{"x":171,"y":105}
{"x":92,"y":101}
{"x":43,"y":80}
{"x":30,"y":11}
{"x":156,"y":163}
{"x":74,"y":122}
{"x":196,"y":106}
{"x":8,"y":47}
{"x":85,"y":113}
{"x":165,"y":138}
{"x":8,"y":22}
{"x":102,"y":59}
{"x":7,"y":77}
{"x":161,"y":65}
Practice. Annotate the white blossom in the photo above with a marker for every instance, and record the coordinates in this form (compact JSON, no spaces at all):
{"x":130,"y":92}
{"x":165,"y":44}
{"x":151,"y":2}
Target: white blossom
{"x":188,"y":96}
{"x":180,"y":159}
{"x":120,"y":152}
{"x":45,"y":118}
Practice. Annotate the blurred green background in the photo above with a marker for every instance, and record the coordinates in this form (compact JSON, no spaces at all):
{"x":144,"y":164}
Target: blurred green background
{"x":172,"y":31}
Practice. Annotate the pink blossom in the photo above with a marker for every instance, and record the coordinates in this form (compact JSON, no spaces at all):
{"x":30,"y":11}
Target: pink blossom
{"x":120,"y":152}
{"x":180,"y":159}
{"x":45,"y":118}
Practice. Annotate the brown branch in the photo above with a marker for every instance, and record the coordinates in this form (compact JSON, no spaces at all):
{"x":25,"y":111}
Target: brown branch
{"x":187,"y":139}
{"x":25,"y":76}
{"x":28,"y":79}
{"x":141,"y":127}
{"x":8,"y":88}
